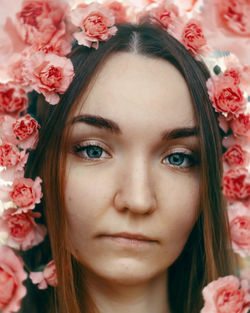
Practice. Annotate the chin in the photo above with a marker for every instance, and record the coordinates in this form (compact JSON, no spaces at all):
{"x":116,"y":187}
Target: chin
{"x":126,"y":271}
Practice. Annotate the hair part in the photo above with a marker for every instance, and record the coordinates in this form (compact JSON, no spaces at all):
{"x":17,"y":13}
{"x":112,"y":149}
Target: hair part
{"x":207,"y":254}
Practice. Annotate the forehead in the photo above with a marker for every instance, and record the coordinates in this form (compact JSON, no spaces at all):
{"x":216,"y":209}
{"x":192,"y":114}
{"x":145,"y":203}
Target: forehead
{"x":138,"y":90}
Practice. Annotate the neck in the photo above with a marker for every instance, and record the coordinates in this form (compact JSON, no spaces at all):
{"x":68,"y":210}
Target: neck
{"x":113,"y":297}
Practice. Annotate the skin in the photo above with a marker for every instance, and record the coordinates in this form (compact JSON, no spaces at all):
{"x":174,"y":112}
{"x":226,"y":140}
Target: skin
{"x":137,"y":182}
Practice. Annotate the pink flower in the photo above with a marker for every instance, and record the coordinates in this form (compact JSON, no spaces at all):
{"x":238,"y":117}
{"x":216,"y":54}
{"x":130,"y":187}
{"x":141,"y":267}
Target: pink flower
{"x":225,"y":95}
{"x":11,"y":277}
{"x":12,"y":158}
{"x":45,"y":278}
{"x":165,"y":13}
{"x":193,"y":38}
{"x":236,"y":184}
{"x":118,"y":9}
{"x":23,"y":231}
{"x":26,"y":131}
{"x":26,"y":193}
{"x":40,"y":21}
{"x":227,"y":26}
{"x":13,"y":100}
{"x":239,"y":223}
{"x":226,"y":295}
{"x":6,"y":129}
{"x":96,"y":23}
{"x":235,"y":155}
{"x":241,"y":125}
{"x":49,"y":74}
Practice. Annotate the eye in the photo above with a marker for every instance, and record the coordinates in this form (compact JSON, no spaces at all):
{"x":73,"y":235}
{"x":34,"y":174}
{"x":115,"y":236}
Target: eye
{"x":180,"y":159}
{"x":90,"y":151}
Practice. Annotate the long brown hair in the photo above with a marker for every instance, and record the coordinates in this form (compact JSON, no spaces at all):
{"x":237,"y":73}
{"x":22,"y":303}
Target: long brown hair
{"x":207,"y":254}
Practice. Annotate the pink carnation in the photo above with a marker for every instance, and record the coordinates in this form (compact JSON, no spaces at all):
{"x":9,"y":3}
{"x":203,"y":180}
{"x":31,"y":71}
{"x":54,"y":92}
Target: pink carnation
{"x":11,"y":277}
{"x":225,"y":95}
{"x":241,"y":125}
{"x":239,"y":223}
{"x":13,"y":160}
{"x":165,"y":13}
{"x":13,"y":100}
{"x":236,"y":184}
{"x":226,"y":295}
{"x":193,"y":38}
{"x":41,"y":24}
{"x":23,"y":231}
{"x":96,"y":23}
{"x":45,"y":278}
{"x":6,"y":129}
{"x":227,"y":26}
{"x":49,"y":74}
{"x":26,"y":193}
{"x":118,"y":9}
{"x":26,"y":131}
{"x":235,"y":156}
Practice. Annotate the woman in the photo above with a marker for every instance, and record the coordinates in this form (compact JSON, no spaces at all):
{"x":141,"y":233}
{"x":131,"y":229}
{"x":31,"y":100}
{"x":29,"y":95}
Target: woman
{"x":131,"y":166}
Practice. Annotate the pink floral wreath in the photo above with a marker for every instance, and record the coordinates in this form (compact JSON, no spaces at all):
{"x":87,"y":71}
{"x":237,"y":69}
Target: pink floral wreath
{"x":35,"y":38}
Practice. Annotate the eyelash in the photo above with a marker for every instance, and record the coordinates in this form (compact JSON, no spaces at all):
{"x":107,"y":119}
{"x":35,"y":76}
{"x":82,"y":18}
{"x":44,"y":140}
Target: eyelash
{"x":80,"y":149}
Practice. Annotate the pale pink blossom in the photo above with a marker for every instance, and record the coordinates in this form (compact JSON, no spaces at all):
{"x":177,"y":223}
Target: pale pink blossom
{"x":225,"y":95}
{"x":6,"y":129}
{"x":236,"y":156}
{"x":25,"y":130}
{"x":236,"y":184}
{"x":26,"y":193}
{"x":227,"y":26}
{"x":193,"y":38}
{"x":13,"y":99}
{"x":241,"y":125}
{"x":165,"y":13}
{"x":118,"y":9}
{"x":226,"y":295}
{"x":24,"y":232}
{"x":12,"y":276}
{"x":49,"y":74}
{"x":45,"y":278}
{"x":39,"y":21}
{"x":11,"y":157}
{"x":239,"y":223}
{"x":96,"y":24}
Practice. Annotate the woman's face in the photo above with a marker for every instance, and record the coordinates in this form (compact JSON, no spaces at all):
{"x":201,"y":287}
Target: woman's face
{"x":132,"y":184}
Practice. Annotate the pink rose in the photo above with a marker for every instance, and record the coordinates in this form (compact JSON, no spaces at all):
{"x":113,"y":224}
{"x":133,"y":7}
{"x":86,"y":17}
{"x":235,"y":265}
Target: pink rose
{"x":227,"y":26}
{"x":235,"y":155}
{"x":241,"y":125}
{"x":26,"y":193}
{"x":45,"y":278}
{"x":236,"y":184}
{"x":165,"y":13}
{"x":49,"y":74}
{"x":226,"y":295}
{"x":11,"y":277}
{"x":96,"y":23}
{"x":39,"y":22}
{"x":118,"y":9}
{"x":23,"y":231}
{"x":239,"y":223}
{"x":225,"y":95}
{"x":26,"y":131}
{"x":193,"y":38}
{"x":13,"y":100}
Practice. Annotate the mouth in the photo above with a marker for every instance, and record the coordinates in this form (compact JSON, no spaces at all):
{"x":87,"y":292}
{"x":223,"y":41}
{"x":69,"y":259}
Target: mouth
{"x":130,"y":239}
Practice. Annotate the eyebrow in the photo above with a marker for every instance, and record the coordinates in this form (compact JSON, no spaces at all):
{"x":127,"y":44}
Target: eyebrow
{"x":100,"y":122}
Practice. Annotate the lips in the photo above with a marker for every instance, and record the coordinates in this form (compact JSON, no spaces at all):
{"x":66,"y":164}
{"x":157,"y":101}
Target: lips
{"x":130,"y":236}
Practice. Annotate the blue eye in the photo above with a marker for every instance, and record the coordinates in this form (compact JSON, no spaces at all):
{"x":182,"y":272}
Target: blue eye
{"x":180,"y":159}
{"x":90,"y":151}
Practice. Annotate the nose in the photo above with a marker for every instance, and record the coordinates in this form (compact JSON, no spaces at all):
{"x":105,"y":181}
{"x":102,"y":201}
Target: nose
{"x":135,"y":190}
